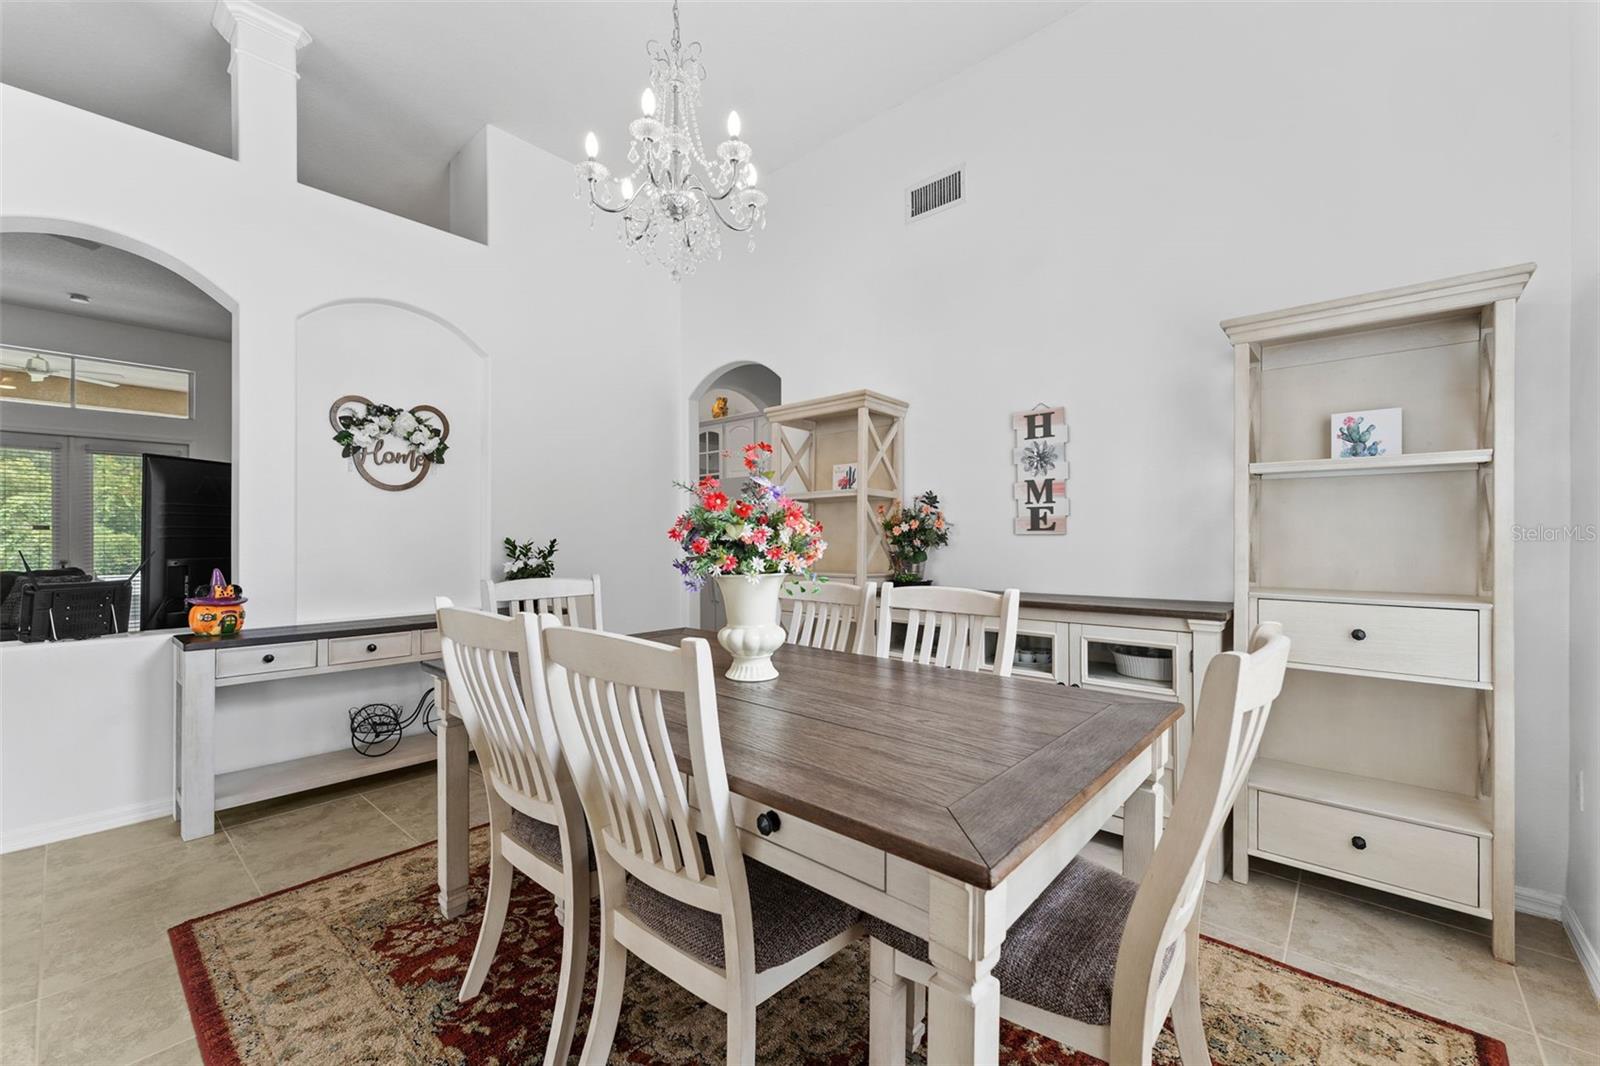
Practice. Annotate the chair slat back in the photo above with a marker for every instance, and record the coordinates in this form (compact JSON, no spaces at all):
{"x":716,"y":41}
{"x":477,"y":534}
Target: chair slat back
{"x":836,"y":616}
{"x":606,"y":693}
{"x":1235,"y":702}
{"x":945,"y":626}
{"x":487,"y":660}
{"x":574,"y":600}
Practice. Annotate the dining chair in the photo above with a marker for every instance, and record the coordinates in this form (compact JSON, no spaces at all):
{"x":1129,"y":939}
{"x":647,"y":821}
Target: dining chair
{"x":575,"y":600}
{"x":946,"y":626}
{"x":496,"y":675}
{"x":1098,"y":961}
{"x":675,"y":889}
{"x":834,"y":615}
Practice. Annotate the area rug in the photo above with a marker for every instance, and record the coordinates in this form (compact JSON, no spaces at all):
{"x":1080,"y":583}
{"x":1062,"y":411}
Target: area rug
{"x":359,"y":967}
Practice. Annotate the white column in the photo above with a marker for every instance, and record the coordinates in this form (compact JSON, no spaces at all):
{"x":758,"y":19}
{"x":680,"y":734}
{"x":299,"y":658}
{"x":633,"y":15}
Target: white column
{"x":262,"y":65}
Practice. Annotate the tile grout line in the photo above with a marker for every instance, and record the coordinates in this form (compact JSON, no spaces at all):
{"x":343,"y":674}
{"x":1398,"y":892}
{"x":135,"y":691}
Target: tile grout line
{"x":391,"y":821}
{"x":1532,"y":1028}
{"x":251,"y":874}
{"x":1288,"y":933}
{"x":38,"y":969}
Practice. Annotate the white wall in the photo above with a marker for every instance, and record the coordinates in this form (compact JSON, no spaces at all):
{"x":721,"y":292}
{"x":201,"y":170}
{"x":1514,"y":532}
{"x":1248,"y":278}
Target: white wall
{"x":360,"y":551}
{"x":1583,"y":862}
{"x":1136,"y":173}
{"x":208,"y":434}
{"x":581,"y":352}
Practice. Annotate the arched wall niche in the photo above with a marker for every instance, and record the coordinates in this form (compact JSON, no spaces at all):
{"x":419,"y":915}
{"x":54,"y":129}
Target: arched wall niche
{"x":360,"y":550}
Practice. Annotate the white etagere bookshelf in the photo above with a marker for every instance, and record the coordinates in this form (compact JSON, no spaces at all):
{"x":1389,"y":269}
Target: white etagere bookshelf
{"x":1389,"y":757}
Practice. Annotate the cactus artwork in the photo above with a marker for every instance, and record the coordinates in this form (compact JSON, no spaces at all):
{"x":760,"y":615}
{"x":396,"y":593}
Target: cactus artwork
{"x":1363,"y":434}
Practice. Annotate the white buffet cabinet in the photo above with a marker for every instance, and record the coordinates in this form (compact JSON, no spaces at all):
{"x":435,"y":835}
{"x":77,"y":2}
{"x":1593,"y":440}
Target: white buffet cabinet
{"x":207,"y":669}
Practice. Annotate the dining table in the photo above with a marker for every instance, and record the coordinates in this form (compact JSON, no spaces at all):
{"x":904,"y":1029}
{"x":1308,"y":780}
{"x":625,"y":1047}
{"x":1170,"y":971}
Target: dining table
{"x":941,"y":800}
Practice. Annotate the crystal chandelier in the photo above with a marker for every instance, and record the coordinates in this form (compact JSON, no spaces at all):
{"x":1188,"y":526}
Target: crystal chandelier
{"x":675,"y":202}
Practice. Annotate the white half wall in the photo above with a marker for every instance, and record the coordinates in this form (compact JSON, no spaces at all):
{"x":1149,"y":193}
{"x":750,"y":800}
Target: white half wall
{"x":1136,"y":173}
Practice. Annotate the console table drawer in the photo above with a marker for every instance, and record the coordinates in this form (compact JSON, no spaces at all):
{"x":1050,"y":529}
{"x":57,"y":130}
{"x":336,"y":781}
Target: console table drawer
{"x":1417,"y":641}
{"x":1419,"y":858}
{"x":266,"y":659}
{"x":367,"y":649}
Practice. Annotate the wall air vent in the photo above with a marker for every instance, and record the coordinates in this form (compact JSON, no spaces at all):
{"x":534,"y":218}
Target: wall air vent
{"x":945,"y":190}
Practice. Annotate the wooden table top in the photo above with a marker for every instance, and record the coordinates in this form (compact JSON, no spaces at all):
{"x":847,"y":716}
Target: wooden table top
{"x":963,"y":773}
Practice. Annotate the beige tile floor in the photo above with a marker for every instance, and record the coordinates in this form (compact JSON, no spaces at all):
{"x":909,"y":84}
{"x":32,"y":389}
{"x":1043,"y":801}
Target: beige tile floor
{"x":87,"y":977}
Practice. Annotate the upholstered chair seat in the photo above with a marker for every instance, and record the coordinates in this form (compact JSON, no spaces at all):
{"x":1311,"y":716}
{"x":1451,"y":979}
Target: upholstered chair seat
{"x":788,"y":918}
{"x":1061,"y":955}
{"x":541,"y":838}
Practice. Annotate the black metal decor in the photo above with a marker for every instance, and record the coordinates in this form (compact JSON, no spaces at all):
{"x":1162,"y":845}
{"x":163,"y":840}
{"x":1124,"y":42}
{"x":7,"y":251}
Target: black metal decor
{"x":376,"y":728}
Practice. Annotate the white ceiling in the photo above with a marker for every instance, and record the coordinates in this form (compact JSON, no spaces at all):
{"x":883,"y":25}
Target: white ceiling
{"x":391,"y":90}
{"x":38,"y":270}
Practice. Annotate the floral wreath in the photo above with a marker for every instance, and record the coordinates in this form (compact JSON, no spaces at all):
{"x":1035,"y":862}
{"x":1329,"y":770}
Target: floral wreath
{"x":361,"y":425}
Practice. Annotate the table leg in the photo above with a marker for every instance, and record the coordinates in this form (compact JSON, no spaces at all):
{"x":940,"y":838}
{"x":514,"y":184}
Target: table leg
{"x":1141,"y":818}
{"x":454,"y":804}
{"x":966,"y":926}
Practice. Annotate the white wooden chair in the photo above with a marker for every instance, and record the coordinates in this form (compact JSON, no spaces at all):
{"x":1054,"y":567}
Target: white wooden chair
{"x":945,"y":626}
{"x":731,"y":931}
{"x":496,"y":673}
{"x":1097,"y":962}
{"x":575,"y":600}
{"x":834,"y":615}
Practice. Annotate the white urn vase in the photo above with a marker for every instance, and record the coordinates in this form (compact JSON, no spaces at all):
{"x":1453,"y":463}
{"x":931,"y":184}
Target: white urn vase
{"x":752,"y":633}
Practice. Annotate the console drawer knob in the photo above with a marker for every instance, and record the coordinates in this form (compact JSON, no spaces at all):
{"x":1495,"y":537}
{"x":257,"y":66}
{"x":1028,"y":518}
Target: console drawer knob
{"x":1358,"y":634}
{"x":269,"y":657}
{"x":374,"y":647}
{"x":1359,"y":843}
{"x":767,"y":823}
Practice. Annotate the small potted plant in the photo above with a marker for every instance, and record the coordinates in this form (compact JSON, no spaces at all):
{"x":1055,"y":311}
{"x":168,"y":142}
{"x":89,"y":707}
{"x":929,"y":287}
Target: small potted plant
{"x":526,"y":559}
{"x":910,"y":532}
{"x":750,"y":546}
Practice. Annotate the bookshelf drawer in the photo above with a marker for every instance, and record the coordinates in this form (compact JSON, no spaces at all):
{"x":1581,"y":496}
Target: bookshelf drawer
{"x":1418,"y":858}
{"x":1436,"y":642}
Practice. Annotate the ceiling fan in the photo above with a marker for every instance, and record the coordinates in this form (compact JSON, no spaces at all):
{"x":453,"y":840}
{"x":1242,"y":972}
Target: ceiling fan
{"x":38,"y":368}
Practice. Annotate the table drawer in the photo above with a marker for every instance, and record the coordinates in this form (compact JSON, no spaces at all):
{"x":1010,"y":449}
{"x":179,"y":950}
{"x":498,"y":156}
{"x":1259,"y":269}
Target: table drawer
{"x":347,"y":650}
{"x":1420,"y":641}
{"x":1420,"y":858}
{"x":266,"y":659}
{"x":833,"y":850}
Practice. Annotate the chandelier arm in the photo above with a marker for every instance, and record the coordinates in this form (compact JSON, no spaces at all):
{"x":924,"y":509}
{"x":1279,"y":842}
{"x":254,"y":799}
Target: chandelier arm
{"x":734,"y":226}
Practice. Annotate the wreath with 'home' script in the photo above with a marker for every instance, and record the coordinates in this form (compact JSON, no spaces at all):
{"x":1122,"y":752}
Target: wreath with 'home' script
{"x":361,"y":426}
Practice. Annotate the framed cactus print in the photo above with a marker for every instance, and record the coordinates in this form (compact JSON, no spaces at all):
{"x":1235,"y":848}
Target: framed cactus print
{"x":1364,"y":434}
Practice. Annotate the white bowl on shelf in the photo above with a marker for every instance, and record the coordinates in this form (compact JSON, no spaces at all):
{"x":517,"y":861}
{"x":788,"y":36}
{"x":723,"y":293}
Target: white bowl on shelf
{"x":1143,"y":667}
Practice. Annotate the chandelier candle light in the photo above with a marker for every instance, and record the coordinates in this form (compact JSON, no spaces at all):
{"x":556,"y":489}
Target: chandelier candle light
{"x":674,"y":203}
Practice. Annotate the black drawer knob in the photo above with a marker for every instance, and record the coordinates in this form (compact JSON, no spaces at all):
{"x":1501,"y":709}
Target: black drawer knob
{"x":767,"y":823}
{"x":372,"y":647}
{"x":269,"y":657}
{"x":1358,"y":634}
{"x":1359,"y":843}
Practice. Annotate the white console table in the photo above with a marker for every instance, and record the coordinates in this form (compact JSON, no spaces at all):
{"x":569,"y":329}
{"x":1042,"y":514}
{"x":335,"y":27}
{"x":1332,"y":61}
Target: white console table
{"x":206,"y":667}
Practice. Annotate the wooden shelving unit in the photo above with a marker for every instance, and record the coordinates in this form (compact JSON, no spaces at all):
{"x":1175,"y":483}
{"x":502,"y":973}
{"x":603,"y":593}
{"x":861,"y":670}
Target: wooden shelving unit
{"x":1389,"y":758}
{"x":866,"y":429}
{"x":1431,"y":462}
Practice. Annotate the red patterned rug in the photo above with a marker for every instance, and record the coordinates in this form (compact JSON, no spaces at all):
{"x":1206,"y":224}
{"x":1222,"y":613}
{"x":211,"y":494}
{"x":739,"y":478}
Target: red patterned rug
{"x":359,"y":967}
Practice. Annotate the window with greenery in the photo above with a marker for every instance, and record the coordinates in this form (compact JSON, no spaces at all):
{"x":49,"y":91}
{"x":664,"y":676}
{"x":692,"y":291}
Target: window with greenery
{"x":75,"y":501}
{"x":28,"y":506}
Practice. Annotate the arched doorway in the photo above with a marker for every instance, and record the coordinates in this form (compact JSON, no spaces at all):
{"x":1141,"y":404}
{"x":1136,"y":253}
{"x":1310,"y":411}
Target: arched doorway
{"x":116,"y":362}
{"x":727,"y":412}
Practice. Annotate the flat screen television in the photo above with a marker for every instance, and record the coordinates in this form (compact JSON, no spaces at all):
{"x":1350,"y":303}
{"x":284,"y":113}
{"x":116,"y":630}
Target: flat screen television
{"x":187,"y":532}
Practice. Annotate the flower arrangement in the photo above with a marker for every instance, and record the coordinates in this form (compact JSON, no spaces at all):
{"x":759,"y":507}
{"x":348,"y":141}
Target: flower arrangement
{"x":762,"y":531}
{"x":910,"y":532}
{"x":526,"y":559}
{"x":363,"y":425}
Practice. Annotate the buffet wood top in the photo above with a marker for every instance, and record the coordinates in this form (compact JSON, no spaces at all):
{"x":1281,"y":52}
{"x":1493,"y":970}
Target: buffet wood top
{"x":963,"y":773}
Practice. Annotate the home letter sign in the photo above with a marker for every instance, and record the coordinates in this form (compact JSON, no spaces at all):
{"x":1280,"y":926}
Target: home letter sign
{"x":1040,"y":458}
